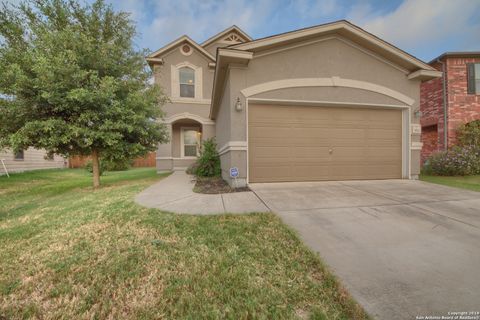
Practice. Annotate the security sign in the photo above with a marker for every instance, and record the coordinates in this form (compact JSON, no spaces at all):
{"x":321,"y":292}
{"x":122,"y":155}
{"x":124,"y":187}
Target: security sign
{"x":234,"y":172}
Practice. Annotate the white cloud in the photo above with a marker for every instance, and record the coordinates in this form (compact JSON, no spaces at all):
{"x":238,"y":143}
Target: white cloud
{"x":200,"y":19}
{"x":420,"y":23}
{"x":315,"y":8}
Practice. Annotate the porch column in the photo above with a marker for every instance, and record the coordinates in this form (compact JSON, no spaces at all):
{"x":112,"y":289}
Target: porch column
{"x":164,"y":152}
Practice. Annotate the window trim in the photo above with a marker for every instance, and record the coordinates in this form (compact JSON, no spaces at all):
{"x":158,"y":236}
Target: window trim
{"x":188,"y":84}
{"x":472,"y":78}
{"x":182,"y":144}
{"x":175,"y":83}
{"x":476,"y":77}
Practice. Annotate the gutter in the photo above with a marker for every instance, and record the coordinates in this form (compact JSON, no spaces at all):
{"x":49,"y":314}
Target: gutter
{"x":445,"y":105}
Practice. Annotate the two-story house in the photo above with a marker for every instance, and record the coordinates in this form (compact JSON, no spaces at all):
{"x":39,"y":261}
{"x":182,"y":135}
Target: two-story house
{"x":329,"y":102}
{"x":449,"y":101}
{"x":185,"y":70}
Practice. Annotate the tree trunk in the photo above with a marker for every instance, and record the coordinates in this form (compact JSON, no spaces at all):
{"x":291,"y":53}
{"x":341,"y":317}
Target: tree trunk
{"x":95,"y":169}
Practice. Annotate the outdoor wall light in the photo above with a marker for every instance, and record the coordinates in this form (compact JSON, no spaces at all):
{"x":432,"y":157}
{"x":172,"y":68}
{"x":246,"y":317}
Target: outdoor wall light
{"x":238,"y":105}
{"x":417,"y":113}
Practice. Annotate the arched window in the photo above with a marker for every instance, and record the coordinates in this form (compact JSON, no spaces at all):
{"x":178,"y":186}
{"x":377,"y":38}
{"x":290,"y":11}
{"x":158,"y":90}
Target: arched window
{"x":187,"y":82}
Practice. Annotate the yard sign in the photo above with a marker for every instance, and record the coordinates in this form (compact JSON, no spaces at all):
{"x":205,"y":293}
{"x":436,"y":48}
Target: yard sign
{"x":234,"y":174}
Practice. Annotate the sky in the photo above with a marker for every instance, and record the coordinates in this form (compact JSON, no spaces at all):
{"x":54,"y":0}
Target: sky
{"x":424,"y":28}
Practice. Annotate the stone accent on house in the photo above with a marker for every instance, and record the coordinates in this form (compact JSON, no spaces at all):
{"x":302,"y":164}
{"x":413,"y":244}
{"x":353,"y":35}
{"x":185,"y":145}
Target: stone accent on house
{"x":461,"y":107}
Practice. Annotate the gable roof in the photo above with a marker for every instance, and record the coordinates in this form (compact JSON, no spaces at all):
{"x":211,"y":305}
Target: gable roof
{"x":177,"y":42}
{"x":242,"y":53}
{"x":225,"y":32}
{"x":345,"y":29}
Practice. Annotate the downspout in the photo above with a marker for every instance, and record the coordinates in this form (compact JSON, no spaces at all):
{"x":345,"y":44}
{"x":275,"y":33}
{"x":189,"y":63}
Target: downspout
{"x":445,"y":105}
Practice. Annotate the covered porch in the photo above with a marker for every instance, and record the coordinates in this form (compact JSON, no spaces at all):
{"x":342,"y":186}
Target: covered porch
{"x":186,"y":131}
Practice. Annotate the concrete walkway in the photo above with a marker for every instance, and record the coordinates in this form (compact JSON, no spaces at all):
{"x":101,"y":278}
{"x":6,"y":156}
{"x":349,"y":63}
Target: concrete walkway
{"x":174,"y":194}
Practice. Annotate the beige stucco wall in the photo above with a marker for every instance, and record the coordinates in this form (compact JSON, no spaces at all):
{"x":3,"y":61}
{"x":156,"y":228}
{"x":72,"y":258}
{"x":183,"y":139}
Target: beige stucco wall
{"x":173,"y":164}
{"x":212,"y":48}
{"x":162,"y":73}
{"x":169,"y":154}
{"x":33,"y":159}
{"x":171,"y":109}
{"x":237,"y":159}
{"x":329,"y":94}
{"x":223,"y":119}
{"x":325,"y":59}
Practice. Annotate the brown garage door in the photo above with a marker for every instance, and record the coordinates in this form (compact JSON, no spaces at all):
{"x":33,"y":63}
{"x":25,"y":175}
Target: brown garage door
{"x":306,"y":143}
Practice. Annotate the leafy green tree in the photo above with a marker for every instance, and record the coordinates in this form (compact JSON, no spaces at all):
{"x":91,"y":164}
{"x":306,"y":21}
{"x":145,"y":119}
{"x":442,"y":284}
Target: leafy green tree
{"x":73,"y":83}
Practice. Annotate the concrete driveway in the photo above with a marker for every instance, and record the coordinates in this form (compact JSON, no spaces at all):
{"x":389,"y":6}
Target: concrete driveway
{"x":402,"y":248}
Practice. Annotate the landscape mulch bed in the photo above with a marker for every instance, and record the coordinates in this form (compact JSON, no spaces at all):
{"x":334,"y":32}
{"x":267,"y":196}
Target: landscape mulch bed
{"x":215,"y":185}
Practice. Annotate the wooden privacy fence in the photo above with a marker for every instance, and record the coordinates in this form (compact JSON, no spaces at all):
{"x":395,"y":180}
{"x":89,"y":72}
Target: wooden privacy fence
{"x":147,"y":161}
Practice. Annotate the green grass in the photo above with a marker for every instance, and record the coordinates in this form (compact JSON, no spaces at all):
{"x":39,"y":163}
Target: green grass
{"x":69,"y":252}
{"x":467,"y":182}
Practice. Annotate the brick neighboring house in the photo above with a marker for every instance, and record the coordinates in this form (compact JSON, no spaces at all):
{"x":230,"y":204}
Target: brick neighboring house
{"x":457,"y":92}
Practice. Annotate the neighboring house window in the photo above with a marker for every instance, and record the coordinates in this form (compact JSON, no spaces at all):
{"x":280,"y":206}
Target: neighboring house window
{"x":19,"y":155}
{"x":187,"y":82}
{"x":473,"y":78}
{"x":190,"y":142}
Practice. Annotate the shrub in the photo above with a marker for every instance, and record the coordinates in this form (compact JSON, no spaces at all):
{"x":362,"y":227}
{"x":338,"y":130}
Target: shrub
{"x":89,"y":167}
{"x":469,"y":134}
{"x":110,"y":165}
{"x":192,"y":169}
{"x":457,"y":161}
{"x":208,"y":164}
{"x":117,"y":164}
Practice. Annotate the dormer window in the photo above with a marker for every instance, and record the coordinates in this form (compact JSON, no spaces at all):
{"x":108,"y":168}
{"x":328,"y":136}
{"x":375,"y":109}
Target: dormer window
{"x":187,"y":82}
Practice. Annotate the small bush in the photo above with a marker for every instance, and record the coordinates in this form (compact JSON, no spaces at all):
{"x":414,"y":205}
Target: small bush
{"x":469,"y":134}
{"x":110,"y":165}
{"x":192,"y":169}
{"x":208,"y":164}
{"x":458,"y":161}
{"x":118,"y":164}
{"x":89,"y":167}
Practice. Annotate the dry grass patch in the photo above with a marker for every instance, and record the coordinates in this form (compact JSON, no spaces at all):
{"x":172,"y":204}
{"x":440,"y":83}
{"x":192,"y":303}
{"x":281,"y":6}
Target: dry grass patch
{"x":67,"y":252}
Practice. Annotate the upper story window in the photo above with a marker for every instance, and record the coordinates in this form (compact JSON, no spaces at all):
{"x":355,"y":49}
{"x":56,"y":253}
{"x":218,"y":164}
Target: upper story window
{"x":473,"y":78}
{"x":187,"y":82}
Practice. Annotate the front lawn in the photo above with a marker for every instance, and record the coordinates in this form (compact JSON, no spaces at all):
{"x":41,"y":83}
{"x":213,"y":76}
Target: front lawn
{"x":467,"y":182}
{"x":68,"y":252}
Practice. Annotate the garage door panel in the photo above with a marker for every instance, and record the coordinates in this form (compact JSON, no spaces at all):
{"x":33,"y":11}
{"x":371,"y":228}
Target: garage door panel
{"x":271,"y":153}
{"x":270,"y":132}
{"x":314,"y":152}
{"x":348,"y":154}
{"x":347,"y":133}
{"x":385,"y":133}
{"x":272,"y":173}
{"x":342,"y":171}
{"x":312,"y":172}
{"x":309,"y":132}
{"x":293,"y":143}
